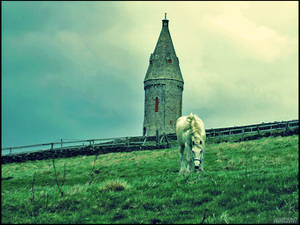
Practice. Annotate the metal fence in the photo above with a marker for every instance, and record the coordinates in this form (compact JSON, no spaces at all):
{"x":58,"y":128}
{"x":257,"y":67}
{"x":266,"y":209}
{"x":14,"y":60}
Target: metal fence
{"x":249,"y":129}
{"x":141,"y":141}
{"x":120,"y":141}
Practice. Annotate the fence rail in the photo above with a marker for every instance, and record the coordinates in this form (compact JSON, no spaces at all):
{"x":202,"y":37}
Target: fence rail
{"x":142,"y":140}
{"x":120,"y":141}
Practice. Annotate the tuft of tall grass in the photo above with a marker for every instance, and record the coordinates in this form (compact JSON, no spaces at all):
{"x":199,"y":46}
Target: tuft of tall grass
{"x":114,"y":185}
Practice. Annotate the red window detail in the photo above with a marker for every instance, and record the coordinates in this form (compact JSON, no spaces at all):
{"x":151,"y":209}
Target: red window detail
{"x":169,"y":60}
{"x":150,"y":61}
{"x":156,"y":104}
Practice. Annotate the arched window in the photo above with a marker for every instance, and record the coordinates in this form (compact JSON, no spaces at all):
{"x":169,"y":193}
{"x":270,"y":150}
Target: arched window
{"x":156,"y":104}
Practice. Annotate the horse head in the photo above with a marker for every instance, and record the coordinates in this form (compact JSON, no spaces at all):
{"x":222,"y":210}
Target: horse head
{"x":197,"y":150}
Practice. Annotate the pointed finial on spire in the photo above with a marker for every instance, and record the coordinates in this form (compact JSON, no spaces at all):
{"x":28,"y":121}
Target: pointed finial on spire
{"x":165,"y":21}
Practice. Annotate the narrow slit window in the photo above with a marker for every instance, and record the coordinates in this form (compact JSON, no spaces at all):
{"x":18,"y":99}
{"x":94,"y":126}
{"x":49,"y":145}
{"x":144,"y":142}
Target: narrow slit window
{"x":156,"y":104}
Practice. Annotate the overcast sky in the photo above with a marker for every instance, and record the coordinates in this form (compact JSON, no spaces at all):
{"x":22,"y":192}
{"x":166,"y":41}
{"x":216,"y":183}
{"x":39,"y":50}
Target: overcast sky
{"x":75,"y":70}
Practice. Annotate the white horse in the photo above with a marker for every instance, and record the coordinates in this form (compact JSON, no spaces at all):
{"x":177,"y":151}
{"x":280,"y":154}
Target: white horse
{"x":191,"y":137}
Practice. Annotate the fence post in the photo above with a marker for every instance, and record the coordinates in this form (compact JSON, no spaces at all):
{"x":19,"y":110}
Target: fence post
{"x":243,"y":134}
{"x":90,"y":141}
{"x":127,"y":141}
{"x":10,"y":150}
{"x":166,"y":139}
{"x":287,"y":128}
{"x":93,"y":148}
{"x":161,"y":139}
{"x":157,"y":137}
{"x":61,"y":143}
{"x":144,"y":141}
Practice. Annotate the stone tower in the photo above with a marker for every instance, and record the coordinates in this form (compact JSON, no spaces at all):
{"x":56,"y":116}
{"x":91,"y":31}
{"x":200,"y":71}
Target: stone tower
{"x":163,"y":87}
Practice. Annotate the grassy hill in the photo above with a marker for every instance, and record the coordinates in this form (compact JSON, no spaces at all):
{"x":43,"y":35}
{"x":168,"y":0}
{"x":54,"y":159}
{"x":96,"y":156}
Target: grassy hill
{"x":248,"y":182}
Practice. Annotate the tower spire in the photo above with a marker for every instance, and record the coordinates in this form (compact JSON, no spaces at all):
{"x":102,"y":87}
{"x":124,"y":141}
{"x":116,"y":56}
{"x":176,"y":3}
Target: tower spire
{"x":163,"y":85}
{"x":163,"y":61}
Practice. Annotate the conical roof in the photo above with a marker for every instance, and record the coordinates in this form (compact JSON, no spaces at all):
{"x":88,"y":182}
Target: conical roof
{"x":163,"y":63}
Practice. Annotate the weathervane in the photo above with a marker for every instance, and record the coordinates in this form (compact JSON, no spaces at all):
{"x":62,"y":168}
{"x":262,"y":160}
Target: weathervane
{"x":165,"y":15}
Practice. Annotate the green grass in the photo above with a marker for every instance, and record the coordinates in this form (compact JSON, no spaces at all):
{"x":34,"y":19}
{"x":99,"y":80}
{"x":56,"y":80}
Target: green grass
{"x":248,"y":182}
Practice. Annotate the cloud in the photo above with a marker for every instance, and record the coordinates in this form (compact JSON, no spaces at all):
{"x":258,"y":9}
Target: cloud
{"x":76,"y":69}
{"x":257,"y":40}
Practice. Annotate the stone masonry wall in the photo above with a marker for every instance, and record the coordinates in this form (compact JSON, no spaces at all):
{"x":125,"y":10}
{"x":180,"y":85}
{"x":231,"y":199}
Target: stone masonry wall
{"x":169,"y":93}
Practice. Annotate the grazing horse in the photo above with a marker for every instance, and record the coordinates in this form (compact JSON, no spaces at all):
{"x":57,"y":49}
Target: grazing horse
{"x":191,"y":137}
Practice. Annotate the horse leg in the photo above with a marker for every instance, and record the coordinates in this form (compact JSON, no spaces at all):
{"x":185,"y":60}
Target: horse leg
{"x":201,"y":160}
{"x":191,"y":165}
{"x":189,"y":158}
{"x":182,"y":163}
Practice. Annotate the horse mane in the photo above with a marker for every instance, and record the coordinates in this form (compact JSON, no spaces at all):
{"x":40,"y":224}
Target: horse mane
{"x":194,"y":125}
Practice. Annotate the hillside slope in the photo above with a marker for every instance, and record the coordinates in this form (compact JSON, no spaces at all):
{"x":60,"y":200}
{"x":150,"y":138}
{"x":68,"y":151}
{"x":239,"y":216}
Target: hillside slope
{"x":248,"y":182}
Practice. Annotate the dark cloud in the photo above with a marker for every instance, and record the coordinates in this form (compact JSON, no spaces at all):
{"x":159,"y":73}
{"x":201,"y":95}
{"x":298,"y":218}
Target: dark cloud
{"x":47,"y":91}
{"x":22,"y":17}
